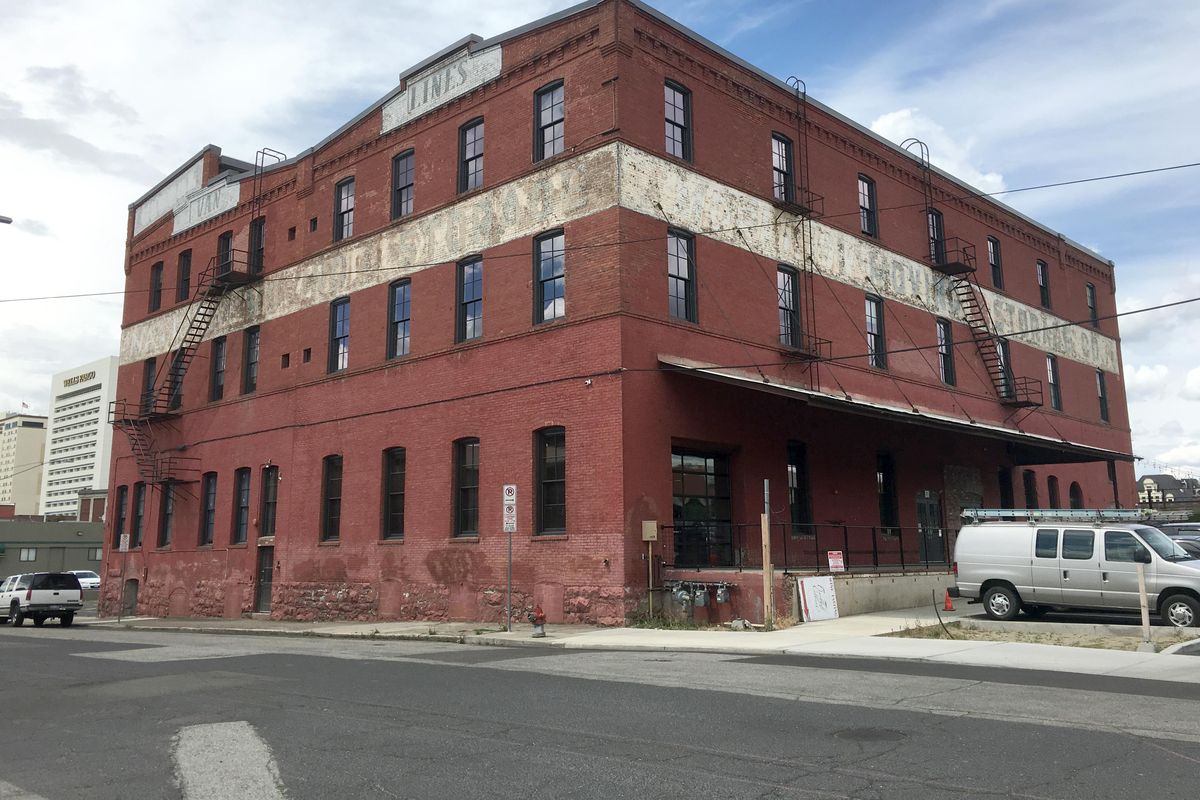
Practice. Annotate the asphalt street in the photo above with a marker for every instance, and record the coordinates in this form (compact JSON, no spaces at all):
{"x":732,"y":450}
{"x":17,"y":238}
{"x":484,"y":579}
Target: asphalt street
{"x":107,"y":713}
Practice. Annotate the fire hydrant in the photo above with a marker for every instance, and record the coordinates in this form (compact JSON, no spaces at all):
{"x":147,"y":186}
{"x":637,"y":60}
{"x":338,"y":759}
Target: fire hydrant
{"x":538,"y":618}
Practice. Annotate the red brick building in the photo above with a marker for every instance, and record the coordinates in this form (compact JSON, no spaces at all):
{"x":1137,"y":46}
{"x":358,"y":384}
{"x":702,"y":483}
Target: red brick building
{"x":660,"y":279}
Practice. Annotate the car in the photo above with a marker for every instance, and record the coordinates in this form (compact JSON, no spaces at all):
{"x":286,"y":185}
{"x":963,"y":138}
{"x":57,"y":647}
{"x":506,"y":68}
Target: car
{"x":1191,"y":545}
{"x":87,"y":578}
{"x":40,"y":596}
{"x":1177,"y":529}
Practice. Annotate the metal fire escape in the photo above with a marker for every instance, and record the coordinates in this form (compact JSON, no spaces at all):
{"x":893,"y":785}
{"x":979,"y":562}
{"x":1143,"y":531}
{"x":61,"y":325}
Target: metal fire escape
{"x":955,"y":258}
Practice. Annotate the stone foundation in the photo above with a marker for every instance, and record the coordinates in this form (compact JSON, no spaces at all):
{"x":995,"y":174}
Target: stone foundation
{"x":324,"y":602}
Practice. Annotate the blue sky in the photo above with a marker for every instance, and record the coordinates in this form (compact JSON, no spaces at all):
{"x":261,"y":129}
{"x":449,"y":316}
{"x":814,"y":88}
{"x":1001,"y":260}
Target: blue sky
{"x":100,"y":100}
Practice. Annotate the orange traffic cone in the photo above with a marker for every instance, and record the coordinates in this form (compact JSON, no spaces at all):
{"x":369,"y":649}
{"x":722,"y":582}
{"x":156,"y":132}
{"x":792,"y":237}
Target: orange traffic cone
{"x":949,"y":606}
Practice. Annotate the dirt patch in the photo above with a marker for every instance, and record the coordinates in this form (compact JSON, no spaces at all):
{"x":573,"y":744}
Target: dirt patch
{"x":1095,"y":640}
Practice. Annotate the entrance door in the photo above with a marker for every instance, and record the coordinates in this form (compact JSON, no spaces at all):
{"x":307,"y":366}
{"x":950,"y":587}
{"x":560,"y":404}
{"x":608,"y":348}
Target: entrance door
{"x":130,"y":598}
{"x":931,"y":539}
{"x":266,"y":572}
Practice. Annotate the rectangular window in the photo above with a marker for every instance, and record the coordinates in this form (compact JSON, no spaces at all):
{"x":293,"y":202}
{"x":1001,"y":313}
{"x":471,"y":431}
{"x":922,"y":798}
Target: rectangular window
{"x":28,"y":554}
{"x":945,"y":337}
{"x":466,"y":487}
{"x":994,"y":262}
{"x":149,"y":370}
{"x":402,"y":184}
{"x":216,"y":384}
{"x":343,"y":210}
{"x":183,"y":279}
{"x":1046,"y":545}
{"x":393,"y":493}
{"x":399,"y":318}
{"x":166,"y":515}
{"x":339,"y":334}
{"x":876,"y":340}
{"x":1093,"y":316}
{"x":139,"y":515}
{"x":1078,"y":545}
{"x":799,"y":496}
{"x":470,"y":299}
{"x":269,"y":501}
{"x":258,"y":238}
{"x":783,"y":181}
{"x":548,"y":111}
{"x":789,"y":306}
{"x":681,"y":283}
{"x":1043,"y":280}
{"x":95,"y":554}
{"x":885,"y":486}
{"x":175,"y":380}
{"x":224,"y":252}
{"x":551,"y":480}
{"x":1121,"y":546}
{"x":156,"y":279}
{"x":250,"y":360}
{"x":1006,"y":370}
{"x":470,"y":156}
{"x":701,"y":509}
{"x":550,"y":300}
{"x":1052,"y":378}
{"x":868,"y":221}
{"x":1102,"y":394}
{"x":331,"y":498}
{"x":119,"y":524}
{"x":208,"y":507}
{"x":678,"y":112}
{"x":937,"y":237}
{"x":241,"y":505}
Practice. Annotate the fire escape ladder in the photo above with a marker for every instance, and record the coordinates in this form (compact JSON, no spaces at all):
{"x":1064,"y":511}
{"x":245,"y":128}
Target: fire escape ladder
{"x":141,"y":438}
{"x":1018,"y":392}
{"x":210,"y":289}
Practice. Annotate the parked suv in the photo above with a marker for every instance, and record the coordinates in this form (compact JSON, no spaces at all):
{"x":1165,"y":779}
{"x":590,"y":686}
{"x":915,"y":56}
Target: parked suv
{"x":41,"y":596}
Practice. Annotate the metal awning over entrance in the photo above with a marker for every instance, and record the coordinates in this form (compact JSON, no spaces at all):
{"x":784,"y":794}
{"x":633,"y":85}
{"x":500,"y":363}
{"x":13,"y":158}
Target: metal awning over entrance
{"x":1023,"y":447}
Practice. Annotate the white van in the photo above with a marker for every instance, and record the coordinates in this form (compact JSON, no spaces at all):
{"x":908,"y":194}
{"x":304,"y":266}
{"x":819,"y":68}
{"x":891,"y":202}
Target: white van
{"x":1045,"y":562}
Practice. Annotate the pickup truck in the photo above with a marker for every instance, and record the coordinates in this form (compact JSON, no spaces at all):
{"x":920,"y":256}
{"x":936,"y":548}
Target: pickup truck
{"x":40,"y":596}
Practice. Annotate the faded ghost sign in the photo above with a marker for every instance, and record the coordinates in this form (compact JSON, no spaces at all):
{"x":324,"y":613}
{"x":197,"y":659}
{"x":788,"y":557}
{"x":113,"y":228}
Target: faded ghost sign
{"x":440,"y":84}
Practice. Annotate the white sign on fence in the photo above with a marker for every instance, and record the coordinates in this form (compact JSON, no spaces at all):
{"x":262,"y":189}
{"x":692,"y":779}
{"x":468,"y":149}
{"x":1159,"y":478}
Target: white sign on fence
{"x":837,"y":560}
{"x":510,"y":508}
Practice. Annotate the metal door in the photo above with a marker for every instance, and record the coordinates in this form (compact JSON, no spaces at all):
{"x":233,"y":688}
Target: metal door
{"x":931,"y":539}
{"x":266,"y":573}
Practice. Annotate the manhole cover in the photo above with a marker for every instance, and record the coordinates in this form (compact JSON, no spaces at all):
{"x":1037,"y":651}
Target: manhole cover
{"x":870,"y":735}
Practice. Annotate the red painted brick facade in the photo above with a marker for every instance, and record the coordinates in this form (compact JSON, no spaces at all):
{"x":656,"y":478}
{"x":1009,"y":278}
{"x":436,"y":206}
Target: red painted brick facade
{"x":595,"y":373}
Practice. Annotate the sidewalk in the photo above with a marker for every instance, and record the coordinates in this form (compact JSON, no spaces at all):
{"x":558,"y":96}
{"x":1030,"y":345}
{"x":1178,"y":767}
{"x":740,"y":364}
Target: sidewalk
{"x":859,"y":636}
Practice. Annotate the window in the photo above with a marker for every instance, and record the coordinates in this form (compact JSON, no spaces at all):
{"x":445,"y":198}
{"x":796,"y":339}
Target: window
{"x":470,"y":156}
{"x":1006,"y":371}
{"x":1052,"y":378}
{"x":1091,"y":305}
{"x":208,"y":507}
{"x":1102,"y":395}
{"x":149,"y":369}
{"x":393,"y":493}
{"x":175,"y":380}
{"x":1052,"y":492}
{"x":339,"y":334}
{"x":701,"y":510}
{"x":1076,"y":495}
{"x":139,"y":515}
{"x":885,"y":486}
{"x":470,"y":299}
{"x":331,"y":498}
{"x":250,"y":360}
{"x":799,"y":497}
{"x":783,"y":182}
{"x":95,"y":554}
{"x":876,"y":340}
{"x":216,"y":384}
{"x":258,"y":234}
{"x":548,"y":111}
{"x":868,"y":221}
{"x":945,"y":337}
{"x":343,"y":210}
{"x":241,"y":505}
{"x":119,"y":524}
{"x":28,"y":554}
{"x":1122,"y":546}
{"x":678,"y":112}
{"x":402,"y":184}
{"x":466,"y":487}
{"x":681,"y":284}
{"x":550,"y":294}
{"x":166,"y":515}
{"x":399,"y":313}
{"x":183,"y":280}
{"x":224,"y":252}
{"x":551,"y":480}
{"x":1078,"y":545}
{"x":1029,"y":484}
{"x":269,"y":501}
{"x":1005,"y":481}
{"x":993,"y":253}
{"x":1043,"y":280}
{"x":789,"y":306}
{"x":937,"y":237}
{"x":1046,"y":544}
{"x":156,"y":279}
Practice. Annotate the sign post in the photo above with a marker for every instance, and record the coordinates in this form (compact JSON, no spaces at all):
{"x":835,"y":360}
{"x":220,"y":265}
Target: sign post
{"x":123,"y":548}
{"x":650,"y":536}
{"x":1141,"y":573}
{"x":510,"y":527}
{"x":768,"y":568}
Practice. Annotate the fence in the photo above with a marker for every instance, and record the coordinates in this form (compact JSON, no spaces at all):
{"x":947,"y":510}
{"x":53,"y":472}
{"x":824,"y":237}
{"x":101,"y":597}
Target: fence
{"x":700,"y":545}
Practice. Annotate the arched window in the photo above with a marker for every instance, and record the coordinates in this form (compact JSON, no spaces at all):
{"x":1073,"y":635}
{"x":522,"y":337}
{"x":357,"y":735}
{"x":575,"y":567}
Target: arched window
{"x":1052,"y":490}
{"x":1076,"y":495}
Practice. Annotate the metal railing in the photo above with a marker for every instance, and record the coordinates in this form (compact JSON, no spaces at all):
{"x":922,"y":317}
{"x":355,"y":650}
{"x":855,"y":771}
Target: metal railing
{"x":707,"y":545}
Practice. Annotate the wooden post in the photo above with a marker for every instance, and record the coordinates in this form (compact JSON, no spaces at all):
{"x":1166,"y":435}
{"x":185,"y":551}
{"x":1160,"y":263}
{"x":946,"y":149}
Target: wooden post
{"x":1141,"y":572}
{"x":767,"y":568}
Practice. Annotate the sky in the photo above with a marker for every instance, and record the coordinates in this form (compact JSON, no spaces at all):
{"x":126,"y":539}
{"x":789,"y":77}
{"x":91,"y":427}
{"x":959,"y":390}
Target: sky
{"x":99,"y":101}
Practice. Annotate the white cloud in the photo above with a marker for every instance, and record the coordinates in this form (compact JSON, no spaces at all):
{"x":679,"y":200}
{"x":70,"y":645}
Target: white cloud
{"x":945,"y":152}
{"x":1191,"y":384}
{"x":1146,"y":383}
{"x":1181,"y":461}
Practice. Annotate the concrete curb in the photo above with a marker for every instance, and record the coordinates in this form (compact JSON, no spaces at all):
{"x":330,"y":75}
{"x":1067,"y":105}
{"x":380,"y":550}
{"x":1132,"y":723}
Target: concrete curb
{"x":1191,"y":648}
